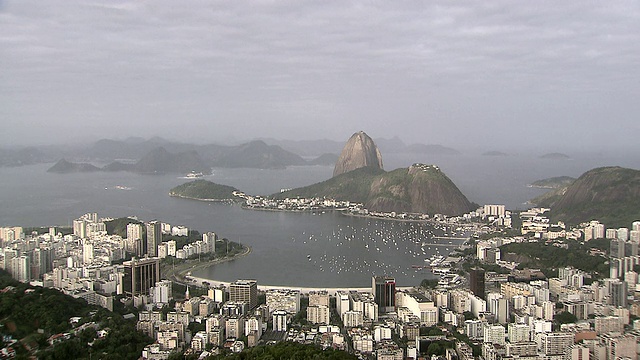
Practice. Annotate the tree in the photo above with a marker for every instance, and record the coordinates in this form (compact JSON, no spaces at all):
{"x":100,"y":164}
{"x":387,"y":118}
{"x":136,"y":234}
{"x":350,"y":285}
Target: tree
{"x":565,"y":317}
{"x":434,"y":349}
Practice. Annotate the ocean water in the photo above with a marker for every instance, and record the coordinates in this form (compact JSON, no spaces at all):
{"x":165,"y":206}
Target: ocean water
{"x":294,"y":249}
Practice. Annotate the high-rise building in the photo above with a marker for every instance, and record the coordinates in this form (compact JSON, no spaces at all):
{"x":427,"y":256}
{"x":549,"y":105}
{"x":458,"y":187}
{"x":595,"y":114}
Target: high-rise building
{"x":140,"y":275}
{"x":494,"y":210}
{"x":622,"y":234}
{"x":616,"y":248}
{"x":154,"y":237}
{"x":494,"y":334}
{"x":171,"y":248}
{"x":209,"y":240}
{"x":283,"y":299}
{"x":21,"y":268}
{"x":476,"y":282}
{"x":318,"y":298}
{"x":245,"y":291}
{"x":162,"y":292}
{"x":87,"y":252}
{"x":80,"y":228}
{"x":134,"y":231}
{"x":618,"y":294}
{"x":280,"y":320}
{"x":555,"y":343}
{"x":318,"y":314}
{"x":383,"y":289}
{"x":342,"y":302}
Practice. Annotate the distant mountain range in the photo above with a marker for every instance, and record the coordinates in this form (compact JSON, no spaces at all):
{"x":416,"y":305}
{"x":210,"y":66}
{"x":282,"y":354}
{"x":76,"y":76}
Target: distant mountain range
{"x":157,"y":161}
{"x":25,"y":156}
{"x":387,"y":146}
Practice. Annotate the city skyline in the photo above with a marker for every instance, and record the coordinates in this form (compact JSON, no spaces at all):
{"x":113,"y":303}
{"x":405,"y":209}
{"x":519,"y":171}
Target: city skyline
{"x":539,"y":74}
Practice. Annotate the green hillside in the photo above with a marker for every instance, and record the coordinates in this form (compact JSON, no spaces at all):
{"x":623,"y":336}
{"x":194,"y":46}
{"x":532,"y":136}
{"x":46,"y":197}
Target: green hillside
{"x":203,"y":190}
{"x":608,"y":194}
{"x":418,"y":189}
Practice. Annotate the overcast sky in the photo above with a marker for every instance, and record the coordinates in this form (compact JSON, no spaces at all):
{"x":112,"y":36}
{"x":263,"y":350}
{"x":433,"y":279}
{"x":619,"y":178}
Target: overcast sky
{"x":496,"y":74}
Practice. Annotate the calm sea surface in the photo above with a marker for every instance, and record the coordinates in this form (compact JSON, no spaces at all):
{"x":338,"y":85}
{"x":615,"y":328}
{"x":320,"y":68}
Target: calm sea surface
{"x":295,"y":249}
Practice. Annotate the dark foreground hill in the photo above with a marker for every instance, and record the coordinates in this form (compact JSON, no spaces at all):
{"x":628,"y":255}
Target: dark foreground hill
{"x":608,"y":194}
{"x":418,"y":189}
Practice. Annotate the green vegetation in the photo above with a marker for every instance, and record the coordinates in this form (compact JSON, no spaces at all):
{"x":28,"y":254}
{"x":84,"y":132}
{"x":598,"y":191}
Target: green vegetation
{"x":33,"y":314}
{"x":565,"y":318}
{"x":609,"y":194}
{"x":429,"y":283}
{"x":203,"y":190}
{"x":119,"y":226}
{"x":554,"y":182}
{"x":287,"y":350}
{"x":23,"y":312}
{"x":353,"y":186}
{"x":549,"y":257}
{"x":418,"y":189}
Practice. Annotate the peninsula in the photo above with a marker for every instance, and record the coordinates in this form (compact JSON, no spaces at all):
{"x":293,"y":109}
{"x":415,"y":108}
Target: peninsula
{"x":204,"y":190}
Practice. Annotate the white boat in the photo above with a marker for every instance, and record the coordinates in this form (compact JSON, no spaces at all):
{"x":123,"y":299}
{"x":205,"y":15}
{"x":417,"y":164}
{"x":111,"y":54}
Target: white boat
{"x":194,"y":175}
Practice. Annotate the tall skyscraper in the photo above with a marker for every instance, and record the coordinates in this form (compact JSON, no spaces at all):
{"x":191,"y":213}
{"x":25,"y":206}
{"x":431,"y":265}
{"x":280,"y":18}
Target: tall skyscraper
{"x":134,"y":231}
{"x":618,"y":294}
{"x":21,"y":268}
{"x":87,"y":252}
{"x":245,"y":291}
{"x":476,"y":282}
{"x":383,"y":289}
{"x":154,"y":237}
{"x":140,"y":275}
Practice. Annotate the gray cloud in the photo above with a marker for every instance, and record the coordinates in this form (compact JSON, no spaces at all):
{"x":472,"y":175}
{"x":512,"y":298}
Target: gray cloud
{"x":498,"y":73}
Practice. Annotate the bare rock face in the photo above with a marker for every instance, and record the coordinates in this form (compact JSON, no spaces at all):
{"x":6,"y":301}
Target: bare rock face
{"x":360,"y":151}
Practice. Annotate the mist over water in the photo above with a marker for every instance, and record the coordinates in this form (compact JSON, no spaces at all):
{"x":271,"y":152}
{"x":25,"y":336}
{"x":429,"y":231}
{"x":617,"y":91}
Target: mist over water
{"x":296,"y":249}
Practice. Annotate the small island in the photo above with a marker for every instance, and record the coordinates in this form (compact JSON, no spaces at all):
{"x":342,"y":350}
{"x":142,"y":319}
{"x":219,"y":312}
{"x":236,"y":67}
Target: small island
{"x":555,"y":156}
{"x":204,"y":190}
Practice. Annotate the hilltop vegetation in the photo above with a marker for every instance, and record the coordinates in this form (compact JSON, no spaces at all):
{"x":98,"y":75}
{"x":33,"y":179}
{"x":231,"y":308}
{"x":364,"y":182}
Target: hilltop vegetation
{"x":608,"y":194}
{"x":550,"y":258}
{"x":554,"y":182}
{"x":417,"y":189}
{"x":33,"y":314}
{"x":203,"y":190}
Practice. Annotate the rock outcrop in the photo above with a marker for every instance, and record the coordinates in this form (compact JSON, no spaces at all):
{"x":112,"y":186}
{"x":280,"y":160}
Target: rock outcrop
{"x":359,"y":151}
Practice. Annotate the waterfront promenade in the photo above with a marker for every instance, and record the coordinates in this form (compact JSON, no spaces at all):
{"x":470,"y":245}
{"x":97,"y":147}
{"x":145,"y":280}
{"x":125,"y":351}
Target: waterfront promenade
{"x":198,"y":281}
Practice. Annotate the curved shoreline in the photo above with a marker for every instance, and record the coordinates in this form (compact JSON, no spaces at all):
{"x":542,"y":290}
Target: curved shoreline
{"x":198,"y":281}
{"x":201,"y":199}
{"x":182,"y":276}
{"x":181,"y":273}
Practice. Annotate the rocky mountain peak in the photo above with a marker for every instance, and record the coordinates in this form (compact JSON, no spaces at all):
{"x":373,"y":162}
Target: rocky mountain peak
{"x":359,"y":151}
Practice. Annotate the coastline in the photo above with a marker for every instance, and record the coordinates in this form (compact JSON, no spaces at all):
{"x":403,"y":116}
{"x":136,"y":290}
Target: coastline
{"x":198,"y":281}
{"x":180,"y":273}
{"x":200,"y":199}
{"x":346,"y":213}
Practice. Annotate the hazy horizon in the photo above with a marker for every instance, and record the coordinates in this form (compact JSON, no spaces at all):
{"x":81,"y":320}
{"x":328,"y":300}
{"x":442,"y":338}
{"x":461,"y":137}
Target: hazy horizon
{"x":495,"y":76}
